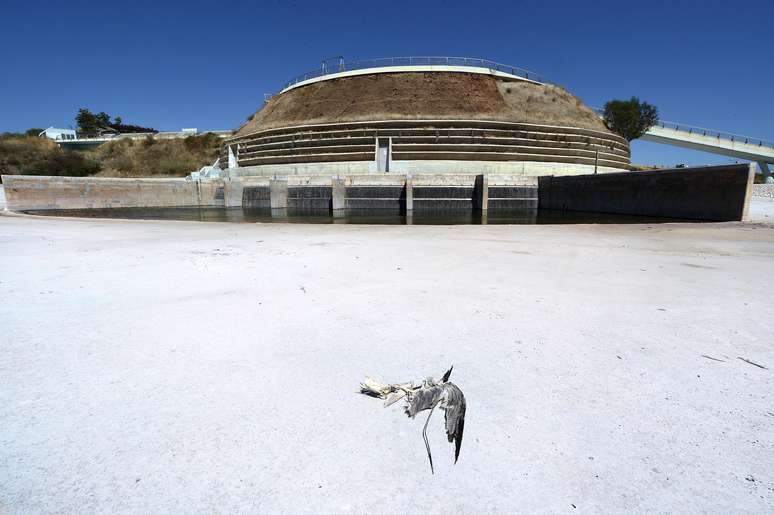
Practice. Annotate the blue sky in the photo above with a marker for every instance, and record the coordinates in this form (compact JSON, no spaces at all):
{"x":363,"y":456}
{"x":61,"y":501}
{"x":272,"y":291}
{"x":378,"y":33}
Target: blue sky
{"x":171,"y":64}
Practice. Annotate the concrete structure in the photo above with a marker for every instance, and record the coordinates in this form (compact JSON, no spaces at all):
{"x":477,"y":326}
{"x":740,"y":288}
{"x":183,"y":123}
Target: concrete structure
{"x":716,"y":193}
{"x":731,"y":145}
{"x":59,"y":134}
{"x":709,"y":193}
{"x":294,"y":193}
{"x":37,"y":193}
{"x":423,"y":116}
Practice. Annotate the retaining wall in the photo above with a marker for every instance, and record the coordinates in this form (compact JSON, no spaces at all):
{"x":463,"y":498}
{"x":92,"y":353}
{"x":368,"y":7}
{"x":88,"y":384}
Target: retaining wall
{"x":712,"y":193}
{"x":430,"y":139}
{"x":416,"y":168}
{"x":715,"y":193}
{"x":25,"y":192}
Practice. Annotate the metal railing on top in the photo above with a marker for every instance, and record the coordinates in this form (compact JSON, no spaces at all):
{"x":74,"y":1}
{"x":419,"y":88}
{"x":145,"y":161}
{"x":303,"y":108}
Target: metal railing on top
{"x":715,"y":134}
{"x":342,"y":66}
{"x":690,"y":129}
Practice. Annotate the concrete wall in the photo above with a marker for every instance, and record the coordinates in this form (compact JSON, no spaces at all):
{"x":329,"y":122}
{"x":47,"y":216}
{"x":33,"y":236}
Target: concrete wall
{"x":717,"y":193}
{"x":383,"y":192}
{"x":420,"y":167}
{"x":36,"y":192}
{"x":710,"y":193}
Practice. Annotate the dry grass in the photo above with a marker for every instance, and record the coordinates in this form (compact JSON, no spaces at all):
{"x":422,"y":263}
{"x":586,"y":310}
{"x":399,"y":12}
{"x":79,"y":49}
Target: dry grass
{"x":406,"y":96}
{"x":158,"y":158}
{"x":24,"y":155}
{"x":31,"y":155}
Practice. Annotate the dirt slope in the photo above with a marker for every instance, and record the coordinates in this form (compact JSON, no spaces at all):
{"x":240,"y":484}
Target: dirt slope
{"x":420,"y":95}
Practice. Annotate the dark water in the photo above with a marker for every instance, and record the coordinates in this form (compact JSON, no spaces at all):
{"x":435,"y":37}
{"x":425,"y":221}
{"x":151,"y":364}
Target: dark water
{"x":239,"y":215}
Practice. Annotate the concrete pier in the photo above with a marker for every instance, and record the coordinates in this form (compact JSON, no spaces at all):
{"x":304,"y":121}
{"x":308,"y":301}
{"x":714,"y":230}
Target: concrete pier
{"x":279,"y":193}
{"x":481,"y":193}
{"x":338,"y":195}
{"x":409,"y":194}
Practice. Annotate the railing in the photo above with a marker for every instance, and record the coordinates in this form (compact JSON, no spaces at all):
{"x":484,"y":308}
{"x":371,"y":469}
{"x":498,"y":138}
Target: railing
{"x":681,"y":127}
{"x":715,"y":134}
{"x":342,"y":66}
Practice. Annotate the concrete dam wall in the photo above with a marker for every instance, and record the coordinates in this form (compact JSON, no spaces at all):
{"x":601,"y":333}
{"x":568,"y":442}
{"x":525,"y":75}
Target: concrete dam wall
{"x":713,"y":193}
{"x":719,"y":193}
{"x":26,"y":192}
{"x":395,"y":194}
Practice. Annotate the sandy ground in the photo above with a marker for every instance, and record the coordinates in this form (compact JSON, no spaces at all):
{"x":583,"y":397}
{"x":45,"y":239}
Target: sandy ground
{"x":191,"y":367}
{"x":761,"y":210}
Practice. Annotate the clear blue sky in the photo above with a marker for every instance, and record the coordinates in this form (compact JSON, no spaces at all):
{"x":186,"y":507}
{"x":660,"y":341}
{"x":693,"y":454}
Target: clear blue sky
{"x":171,"y":64}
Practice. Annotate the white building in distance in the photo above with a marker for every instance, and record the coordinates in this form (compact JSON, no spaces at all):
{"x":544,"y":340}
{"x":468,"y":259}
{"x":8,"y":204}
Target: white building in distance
{"x":59,"y":134}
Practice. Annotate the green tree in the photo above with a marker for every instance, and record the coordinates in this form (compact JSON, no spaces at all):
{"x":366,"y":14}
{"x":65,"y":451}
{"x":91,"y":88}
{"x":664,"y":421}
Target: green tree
{"x":87,"y":121}
{"x":630,"y":118}
{"x":103,"y":119}
{"x":34,"y":132}
{"x":90,"y":123}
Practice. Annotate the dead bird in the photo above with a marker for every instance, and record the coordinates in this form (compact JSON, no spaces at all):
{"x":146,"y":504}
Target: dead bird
{"x":428,"y":395}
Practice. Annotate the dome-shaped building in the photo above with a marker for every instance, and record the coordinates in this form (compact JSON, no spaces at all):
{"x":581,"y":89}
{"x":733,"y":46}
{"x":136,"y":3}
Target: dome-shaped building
{"x":423,"y":115}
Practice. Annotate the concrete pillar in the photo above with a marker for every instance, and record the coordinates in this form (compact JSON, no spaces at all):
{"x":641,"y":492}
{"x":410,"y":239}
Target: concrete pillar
{"x":278,"y":193}
{"x":232,"y":193}
{"x":766,"y":172}
{"x":481,"y":193}
{"x":338,"y":196}
{"x":409,"y":194}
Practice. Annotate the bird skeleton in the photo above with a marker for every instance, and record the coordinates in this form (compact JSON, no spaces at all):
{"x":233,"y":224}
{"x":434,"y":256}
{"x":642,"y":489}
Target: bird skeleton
{"x":426,"y":396}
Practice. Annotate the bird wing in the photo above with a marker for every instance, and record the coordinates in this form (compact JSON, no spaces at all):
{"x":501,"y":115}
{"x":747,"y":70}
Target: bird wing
{"x":390,"y":392}
{"x":422,"y":399}
{"x":454,"y":406}
{"x":374,"y":388}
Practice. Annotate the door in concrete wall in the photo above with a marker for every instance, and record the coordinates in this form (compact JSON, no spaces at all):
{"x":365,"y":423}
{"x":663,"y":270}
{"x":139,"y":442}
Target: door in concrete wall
{"x":383,"y":155}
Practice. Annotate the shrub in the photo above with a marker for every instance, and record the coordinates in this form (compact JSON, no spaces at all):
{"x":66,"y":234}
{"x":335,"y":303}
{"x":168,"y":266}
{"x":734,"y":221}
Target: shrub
{"x":68,"y":163}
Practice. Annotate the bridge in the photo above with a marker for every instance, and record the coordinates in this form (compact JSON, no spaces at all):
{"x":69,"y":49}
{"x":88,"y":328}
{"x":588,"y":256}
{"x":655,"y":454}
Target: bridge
{"x":716,"y":142}
{"x":707,"y":140}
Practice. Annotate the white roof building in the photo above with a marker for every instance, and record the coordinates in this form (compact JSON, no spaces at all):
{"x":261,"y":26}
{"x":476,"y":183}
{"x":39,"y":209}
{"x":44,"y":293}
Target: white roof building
{"x":59,"y":134}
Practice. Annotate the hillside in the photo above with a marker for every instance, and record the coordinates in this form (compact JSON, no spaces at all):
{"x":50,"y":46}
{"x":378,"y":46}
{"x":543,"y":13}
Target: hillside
{"x":25,"y":155}
{"x":417,"y":95}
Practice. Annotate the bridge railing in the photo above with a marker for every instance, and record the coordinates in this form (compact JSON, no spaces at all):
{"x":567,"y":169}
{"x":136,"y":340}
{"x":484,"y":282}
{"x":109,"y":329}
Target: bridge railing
{"x":690,"y":129}
{"x":715,"y":134}
{"x":342,"y":66}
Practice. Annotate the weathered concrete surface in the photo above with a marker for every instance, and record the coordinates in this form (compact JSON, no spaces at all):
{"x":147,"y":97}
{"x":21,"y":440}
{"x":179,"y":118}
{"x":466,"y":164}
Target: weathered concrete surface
{"x":189,"y":367}
{"x":2,"y":197}
{"x":718,"y":193}
{"x":279,"y":193}
{"x":37,"y":192}
{"x":525,"y":169}
{"x":338,"y":195}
